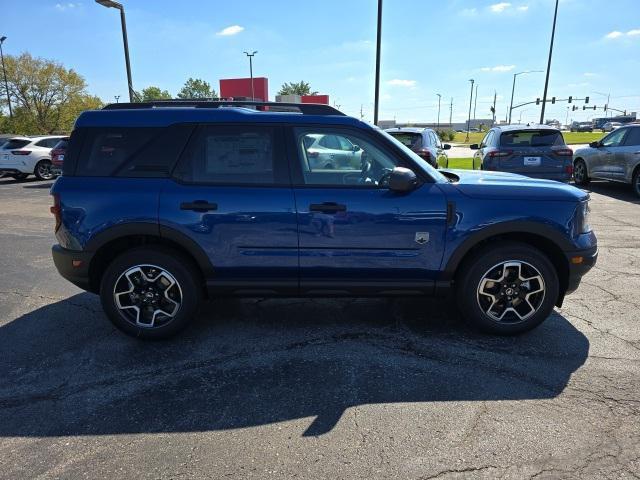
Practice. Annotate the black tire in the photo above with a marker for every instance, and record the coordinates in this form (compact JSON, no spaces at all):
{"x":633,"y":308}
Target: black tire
{"x":188,"y":292}
{"x":484,"y":261}
{"x":43,"y":170}
{"x":580,"y":175}
{"x":19,"y":176}
{"x":635,"y":182}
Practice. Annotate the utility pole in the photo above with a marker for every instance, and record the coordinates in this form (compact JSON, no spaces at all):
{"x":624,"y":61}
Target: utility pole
{"x":250,"y":55}
{"x":361,"y":115}
{"x":475,"y":103}
{"x":546,"y":82}
{"x":470,"y":102}
{"x":451,"y":113}
{"x":439,"y":97}
{"x":377,"y":86}
{"x":494,"y":106}
{"x":6,"y":84}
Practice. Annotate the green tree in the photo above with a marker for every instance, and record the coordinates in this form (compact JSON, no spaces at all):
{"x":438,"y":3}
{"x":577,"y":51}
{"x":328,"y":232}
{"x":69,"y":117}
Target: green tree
{"x":45,"y":96}
{"x":299,"y":88}
{"x":196,"y":88}
{"x":152,"y":93}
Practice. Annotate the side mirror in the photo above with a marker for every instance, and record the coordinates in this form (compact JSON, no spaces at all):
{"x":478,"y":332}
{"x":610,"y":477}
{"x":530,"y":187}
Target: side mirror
{"x":356,"y":148}
{"x":474,"y":146}
{"x":595,"y":144}
{"x":446,"y":146}
{"x":402,"y":180}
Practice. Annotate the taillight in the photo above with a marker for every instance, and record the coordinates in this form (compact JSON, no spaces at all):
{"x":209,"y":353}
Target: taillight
{"x":500,"y":153}
{"x":424,"y":153}
{"x":56,"y":211}
{"x":564,"y":152}
{"x":21,"y":152}
{"x":569,"y":169}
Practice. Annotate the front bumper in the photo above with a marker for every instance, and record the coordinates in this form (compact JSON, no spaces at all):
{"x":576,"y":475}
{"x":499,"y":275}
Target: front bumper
{"x":589,"y":257}
{"x":73,"y":265}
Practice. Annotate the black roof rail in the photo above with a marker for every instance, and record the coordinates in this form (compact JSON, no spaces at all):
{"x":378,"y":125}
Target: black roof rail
{"x":304,"y":108}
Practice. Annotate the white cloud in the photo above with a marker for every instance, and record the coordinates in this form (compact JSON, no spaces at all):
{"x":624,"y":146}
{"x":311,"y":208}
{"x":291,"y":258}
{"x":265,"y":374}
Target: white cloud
{"x":614,"y":34}
{"x":498,"y":68}
{"x":469,"y":12}
{"x":523,"y":8}
{"x":590,"y":74}
{"x":499,"y":7}
{"x":634,"y":32}
{"x":228,"y":31}
{"x":65,"y":6}
{"x":581,"y":84}
{"x":396,"y":82}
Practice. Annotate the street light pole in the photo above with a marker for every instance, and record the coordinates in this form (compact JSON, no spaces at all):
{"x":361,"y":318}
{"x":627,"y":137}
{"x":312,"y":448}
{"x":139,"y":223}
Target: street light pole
{"x":6,"y":84}
{"x":513,"y":88}
{"x":250,"y":55}
{"x":123,"y":23}
{"x":470,"y":101}
{"x":117,"y":97}
{"x":451,"y":113}
{"x":439,"y":97}
{"x":377,"y":85}
{"x":475,"y":102}
{"x":546,"y":81}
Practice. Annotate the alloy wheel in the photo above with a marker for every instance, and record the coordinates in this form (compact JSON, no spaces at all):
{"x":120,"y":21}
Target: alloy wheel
{"x":44,"y":171}
{"x":511,"y":291}
{"x":579,"y":172}
{"x":147,"y":296}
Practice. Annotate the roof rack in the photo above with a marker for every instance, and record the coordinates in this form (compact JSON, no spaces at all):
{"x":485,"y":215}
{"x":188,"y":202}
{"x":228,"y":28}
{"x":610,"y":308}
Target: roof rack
{"x":304,"y":108}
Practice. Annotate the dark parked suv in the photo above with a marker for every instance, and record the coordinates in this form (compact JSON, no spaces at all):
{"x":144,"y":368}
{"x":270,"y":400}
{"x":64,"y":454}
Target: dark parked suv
{"x":535,"y":151}
{"x":164,"y":204}
{"x":425,"y":142}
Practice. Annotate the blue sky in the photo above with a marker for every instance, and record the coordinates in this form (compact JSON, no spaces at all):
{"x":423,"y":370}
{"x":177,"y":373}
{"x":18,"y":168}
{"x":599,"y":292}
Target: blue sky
{"x":429,"y":47}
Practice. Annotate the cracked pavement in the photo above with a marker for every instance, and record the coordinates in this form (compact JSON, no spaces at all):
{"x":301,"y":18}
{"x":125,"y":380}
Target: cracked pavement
{"x":321,"y":388}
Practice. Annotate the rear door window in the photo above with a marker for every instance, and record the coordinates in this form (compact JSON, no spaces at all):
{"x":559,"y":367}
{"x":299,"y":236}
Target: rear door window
{"x":633,"y":137}
{"x":531,"y":138}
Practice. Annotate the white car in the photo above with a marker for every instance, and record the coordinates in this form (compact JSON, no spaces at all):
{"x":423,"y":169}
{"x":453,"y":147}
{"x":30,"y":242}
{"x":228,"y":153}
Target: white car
{"x":611,"y":126}
{"x":23,"y":156}
{"x":331,"y":152}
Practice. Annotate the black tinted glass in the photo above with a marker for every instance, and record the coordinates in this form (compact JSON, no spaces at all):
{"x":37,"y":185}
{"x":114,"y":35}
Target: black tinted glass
{"x":633,"y":137}
{"x":62,"y":144}
{"x":411,"y":140}
{"x":531,"y":138}
{"x":15,"y":144}
{"x":229,"y":155}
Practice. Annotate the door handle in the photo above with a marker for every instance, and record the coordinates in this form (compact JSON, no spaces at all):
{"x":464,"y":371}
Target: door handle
{"x":198,"y":206}
{"x":327,"y":207}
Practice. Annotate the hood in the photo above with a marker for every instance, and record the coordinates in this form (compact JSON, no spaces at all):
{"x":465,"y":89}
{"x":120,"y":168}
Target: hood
{"x":503,"y":185}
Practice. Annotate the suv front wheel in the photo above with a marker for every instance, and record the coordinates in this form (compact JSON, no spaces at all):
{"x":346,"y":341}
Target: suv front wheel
{"x":150,"y":292}
{"x":507,"y":288}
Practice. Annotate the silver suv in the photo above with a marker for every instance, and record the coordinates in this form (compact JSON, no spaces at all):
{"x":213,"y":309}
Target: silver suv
{"x":616,"y":157}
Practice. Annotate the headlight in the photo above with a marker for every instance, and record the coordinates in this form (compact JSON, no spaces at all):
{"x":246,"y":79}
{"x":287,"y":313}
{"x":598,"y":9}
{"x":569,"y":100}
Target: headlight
{"x":583,"y":221}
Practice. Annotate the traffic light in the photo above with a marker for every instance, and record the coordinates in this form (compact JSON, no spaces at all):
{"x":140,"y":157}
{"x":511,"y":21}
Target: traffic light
{"x":537,"y":101}
{"x":574,"y":108}
{"x":583,"y":107}
{"x":492,"y":110}
{"x":570,"y":98}
{"x":553,"y":100}
{"x":606,"y":105}
{"x":586,"y":99}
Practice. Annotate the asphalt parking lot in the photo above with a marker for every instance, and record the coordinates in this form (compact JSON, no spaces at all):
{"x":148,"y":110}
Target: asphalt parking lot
{"x":294,"y":388}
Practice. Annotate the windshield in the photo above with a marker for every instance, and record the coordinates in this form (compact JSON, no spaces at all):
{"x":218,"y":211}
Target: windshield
{"x":437,"y":176}
{"x":531,"y":138}
{"x":408,"y":139}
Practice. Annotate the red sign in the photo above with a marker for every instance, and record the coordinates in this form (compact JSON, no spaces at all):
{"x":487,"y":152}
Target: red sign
{"x":241,"y":88}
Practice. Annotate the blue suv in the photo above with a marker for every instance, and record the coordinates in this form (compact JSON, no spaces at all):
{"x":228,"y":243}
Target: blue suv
{"x":162,"y":205}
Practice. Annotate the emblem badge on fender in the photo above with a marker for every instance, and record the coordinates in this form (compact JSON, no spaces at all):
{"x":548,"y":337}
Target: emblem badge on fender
{"x":422,"y":237}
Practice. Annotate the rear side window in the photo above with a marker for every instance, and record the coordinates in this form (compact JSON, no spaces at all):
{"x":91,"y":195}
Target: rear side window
{"x":131,"y":152}
{"x":633,"y":137}
{"x":411,"y":140}
{"x":231,"y":155}
{"x":62,"y":144}
{"x":531,"y":138}
{"x":15,"y":144}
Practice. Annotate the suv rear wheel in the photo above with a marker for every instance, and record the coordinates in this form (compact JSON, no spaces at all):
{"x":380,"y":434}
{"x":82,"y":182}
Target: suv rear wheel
{"x":150,"y":292}
{"x":507,"y":288}
{"x":580,"y":173}
{"x":43,"y":170}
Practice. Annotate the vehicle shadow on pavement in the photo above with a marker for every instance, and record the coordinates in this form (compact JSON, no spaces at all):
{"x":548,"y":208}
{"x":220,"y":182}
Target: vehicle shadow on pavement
{"x":619,"y":191}
{"x":65,"y":371}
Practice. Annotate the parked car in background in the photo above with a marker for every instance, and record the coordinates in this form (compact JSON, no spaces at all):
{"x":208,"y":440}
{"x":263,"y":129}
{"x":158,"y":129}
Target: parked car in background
{"x":581,"y":127}
{"x":425,"y":142}
{"x":331,"y":152}
{"x":536,"y":151}
{"x":616,"y":157}
{"x":24,"y":156}
{"x":57,"y":155}
{"x":160,"y":207}
{"x":610,"y":126}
